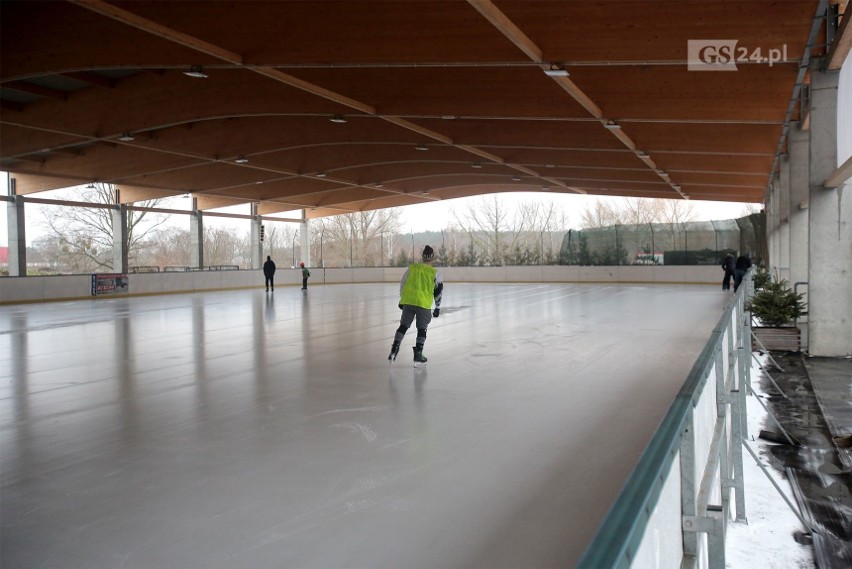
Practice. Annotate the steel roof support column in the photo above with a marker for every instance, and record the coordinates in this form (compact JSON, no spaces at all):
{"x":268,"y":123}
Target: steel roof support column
{"x":830,"y":229}
{"x":120,"y":243}
{"x":256,"y":238}
{"x":196,"y":237}
{"x":305,"y":240}
{"x":16,"y":228}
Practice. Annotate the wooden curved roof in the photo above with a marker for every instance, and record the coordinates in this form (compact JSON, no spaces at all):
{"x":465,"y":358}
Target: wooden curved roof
{"x":441,"y":99}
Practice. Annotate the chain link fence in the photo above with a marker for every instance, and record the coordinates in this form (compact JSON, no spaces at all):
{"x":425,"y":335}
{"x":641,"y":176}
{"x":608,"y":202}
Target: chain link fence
{"x":688,"y":243}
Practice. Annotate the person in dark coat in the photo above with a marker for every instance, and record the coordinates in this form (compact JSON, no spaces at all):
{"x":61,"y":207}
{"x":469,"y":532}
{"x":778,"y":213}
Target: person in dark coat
{"x":269,"y":273}
{"x":740,"y":269}
{"x":728,"y":266}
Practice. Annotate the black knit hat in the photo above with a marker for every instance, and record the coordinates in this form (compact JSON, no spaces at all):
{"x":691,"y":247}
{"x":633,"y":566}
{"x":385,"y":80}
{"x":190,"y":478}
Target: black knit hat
{"x":428,"y":253}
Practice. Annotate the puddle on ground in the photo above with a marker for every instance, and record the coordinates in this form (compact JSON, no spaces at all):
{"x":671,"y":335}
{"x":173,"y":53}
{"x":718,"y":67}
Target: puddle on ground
{"x":814,"y":467}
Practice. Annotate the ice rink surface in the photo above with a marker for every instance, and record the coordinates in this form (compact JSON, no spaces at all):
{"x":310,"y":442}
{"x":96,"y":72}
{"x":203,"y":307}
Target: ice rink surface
{"x":246,"y":429}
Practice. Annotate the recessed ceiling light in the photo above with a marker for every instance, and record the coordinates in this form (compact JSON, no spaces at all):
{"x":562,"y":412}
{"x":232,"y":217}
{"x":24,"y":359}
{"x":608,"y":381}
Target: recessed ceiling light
{"x":126,"y":137}
{"x":421,"y":147}
{"x":241,"y":160}
{"x":338,"y":119}
{"x":196,"y":71}
{"x":556,"y":70}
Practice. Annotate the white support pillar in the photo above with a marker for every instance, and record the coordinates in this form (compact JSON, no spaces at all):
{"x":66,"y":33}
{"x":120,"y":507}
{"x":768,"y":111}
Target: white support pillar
{"x":798,"y":157}
{"x":783,"y":205}
{"x":830,"y":229}
{"x":196,"y":237}
{"x":772,"y":232}
{"x":305,"y":240}
{"x":17,"y":235}
{"x":120,"y":243}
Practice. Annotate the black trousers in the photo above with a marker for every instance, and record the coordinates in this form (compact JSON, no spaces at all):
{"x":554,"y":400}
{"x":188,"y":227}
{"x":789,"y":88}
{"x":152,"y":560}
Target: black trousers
{"x":269,"y":283}
{"x":304,"y":282}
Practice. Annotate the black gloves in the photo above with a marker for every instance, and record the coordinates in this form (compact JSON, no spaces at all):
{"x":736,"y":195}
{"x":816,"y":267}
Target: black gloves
{"x":436,"y":312}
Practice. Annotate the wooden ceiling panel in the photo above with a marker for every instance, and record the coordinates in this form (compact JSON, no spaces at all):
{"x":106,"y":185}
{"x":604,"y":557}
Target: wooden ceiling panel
{"x":707,"y":162}
{"x":23,"y":142}
{"x":546,"y":159}
{"x":452,"y":91}
{"x":493,"y":134}
{"x":197,"y":178}
{"x":752,"y":181}
{"x":657,"y":31}
{"x":752,"y":93}
{"x":108,"y":163}
{"x":52,"y":36}
{"x":708,"y":138}
{"x":462,"y":78}
{"x":150,"y":102}
{"x":372,"y":31}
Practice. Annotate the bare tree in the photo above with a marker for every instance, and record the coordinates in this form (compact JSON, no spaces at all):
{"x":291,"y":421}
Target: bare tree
{"x":492,"y":229}
{"x":356,"y":238}
{"x":635,"y":211}
{"x":86,"y":233}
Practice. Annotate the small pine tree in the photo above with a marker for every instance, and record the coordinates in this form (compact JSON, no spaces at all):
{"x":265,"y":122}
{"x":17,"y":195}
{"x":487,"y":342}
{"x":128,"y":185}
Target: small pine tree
{"x":776,"y":305}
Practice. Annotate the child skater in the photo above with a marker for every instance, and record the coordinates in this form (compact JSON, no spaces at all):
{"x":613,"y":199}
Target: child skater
{"x":420,"y":284}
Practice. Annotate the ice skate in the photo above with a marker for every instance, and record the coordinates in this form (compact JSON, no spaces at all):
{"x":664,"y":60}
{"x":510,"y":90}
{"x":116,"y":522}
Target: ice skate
{"x":394,"y":351}
{"x":419,"y":358}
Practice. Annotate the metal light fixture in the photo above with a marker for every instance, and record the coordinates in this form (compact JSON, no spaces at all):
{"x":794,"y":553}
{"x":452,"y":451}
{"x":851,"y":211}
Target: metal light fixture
{"x":516,"y":178}
{"x":476,"y":165}
{"x":320,"y":174}
{"x":91,"y":186}
{"x":379,"y":185}
{"x":241,"y":160}
{"x":338,"y":119}
{"x":421,"y":147}
{"x":641,"y":154}
{"x":196,"y":71}
{"x":126,"y":137}
{"x":556,"y":69}
{"x":612,"y":125}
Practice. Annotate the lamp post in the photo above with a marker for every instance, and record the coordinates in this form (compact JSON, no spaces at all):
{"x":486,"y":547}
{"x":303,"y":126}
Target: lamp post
{"x":322,"y":235}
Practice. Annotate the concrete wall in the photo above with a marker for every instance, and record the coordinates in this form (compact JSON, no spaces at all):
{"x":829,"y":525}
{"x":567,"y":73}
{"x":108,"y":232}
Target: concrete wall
{"x":41,"y":289}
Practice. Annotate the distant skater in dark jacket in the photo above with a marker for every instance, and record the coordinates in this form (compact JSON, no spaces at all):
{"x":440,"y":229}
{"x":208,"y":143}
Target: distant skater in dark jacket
{"x":305,"y":274}
{"x":729,"y":267}
{"x":742,"y":267}
{"x":269,"y":273}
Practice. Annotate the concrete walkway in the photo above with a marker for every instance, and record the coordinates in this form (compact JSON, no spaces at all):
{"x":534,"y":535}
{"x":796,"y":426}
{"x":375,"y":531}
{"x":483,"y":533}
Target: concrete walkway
{"x":240,"y":429}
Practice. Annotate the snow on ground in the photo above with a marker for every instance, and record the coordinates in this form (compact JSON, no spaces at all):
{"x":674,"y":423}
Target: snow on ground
{"x":766,"y":542}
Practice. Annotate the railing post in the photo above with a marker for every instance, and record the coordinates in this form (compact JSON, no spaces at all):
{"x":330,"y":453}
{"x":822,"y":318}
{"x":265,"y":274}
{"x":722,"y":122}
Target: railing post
{"x":716,"y":537}
{"x":688,"y":494}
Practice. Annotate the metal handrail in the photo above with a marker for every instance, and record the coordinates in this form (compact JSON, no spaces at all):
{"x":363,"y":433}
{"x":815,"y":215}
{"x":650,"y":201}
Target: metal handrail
{"x":620,"y":534}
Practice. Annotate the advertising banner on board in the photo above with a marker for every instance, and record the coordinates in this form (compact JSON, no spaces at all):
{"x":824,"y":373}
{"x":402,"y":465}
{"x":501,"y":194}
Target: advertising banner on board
{"x":109,"y":283}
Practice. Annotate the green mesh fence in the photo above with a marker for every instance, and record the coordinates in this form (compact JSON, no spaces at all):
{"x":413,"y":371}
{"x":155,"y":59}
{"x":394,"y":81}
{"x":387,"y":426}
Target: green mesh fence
{"x":689,"y":243}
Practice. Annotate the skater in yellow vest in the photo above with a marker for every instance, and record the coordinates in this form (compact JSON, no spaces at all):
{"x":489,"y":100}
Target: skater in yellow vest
{"x":420,"y":285}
